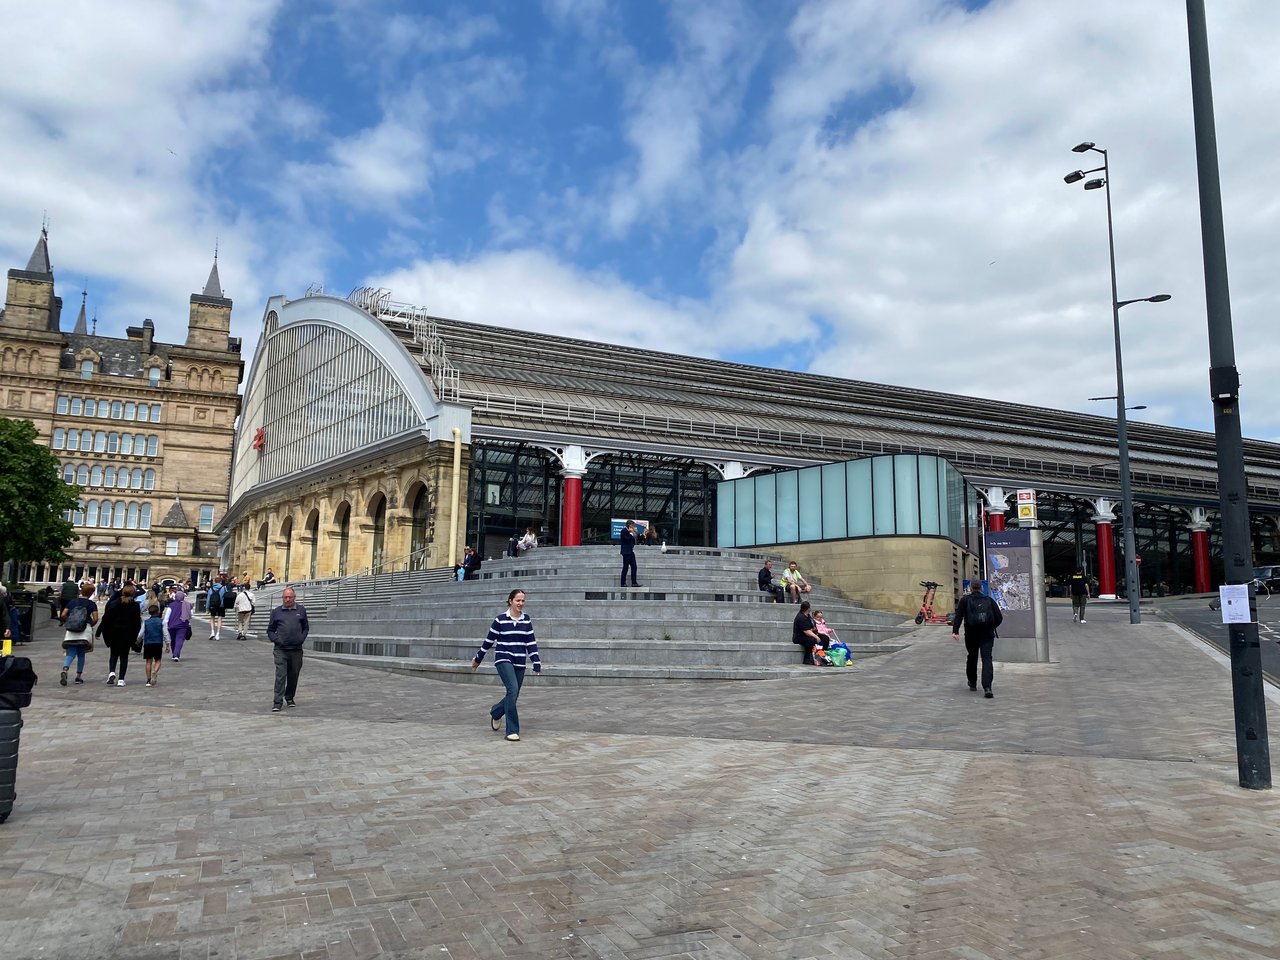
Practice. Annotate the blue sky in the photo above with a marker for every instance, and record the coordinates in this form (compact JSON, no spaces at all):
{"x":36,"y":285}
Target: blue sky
{"x":847,"y":187}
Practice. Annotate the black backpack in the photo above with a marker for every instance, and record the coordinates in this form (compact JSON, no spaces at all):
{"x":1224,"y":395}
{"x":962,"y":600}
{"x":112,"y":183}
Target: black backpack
{"x":979,"y":613}
{"x":77,"y":619}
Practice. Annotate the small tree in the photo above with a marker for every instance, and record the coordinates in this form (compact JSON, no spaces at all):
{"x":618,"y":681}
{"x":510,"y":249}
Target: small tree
{"x":33,"y":498}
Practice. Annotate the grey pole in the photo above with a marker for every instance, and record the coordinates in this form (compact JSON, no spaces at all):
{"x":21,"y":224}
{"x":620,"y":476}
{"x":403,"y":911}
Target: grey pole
{"x":1253,"y":755}
{"x":1131,"y":584}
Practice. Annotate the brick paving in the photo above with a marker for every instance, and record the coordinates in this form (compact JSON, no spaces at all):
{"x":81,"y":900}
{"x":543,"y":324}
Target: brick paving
{"x":1090,"y":810}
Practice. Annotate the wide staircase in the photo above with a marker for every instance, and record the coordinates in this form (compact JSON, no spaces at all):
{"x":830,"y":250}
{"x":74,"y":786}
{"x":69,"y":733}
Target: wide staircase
{"x":696,"y":616}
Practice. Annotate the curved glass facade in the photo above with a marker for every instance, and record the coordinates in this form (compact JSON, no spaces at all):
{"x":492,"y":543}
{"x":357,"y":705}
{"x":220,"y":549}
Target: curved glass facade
{"x":900,"y":495}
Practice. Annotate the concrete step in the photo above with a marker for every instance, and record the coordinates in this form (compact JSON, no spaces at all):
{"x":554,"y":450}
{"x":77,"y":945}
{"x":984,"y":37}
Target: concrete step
{"x":594,"y":674}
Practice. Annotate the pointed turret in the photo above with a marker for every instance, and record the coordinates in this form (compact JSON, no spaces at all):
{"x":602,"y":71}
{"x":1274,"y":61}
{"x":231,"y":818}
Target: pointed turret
{"x":81,"y":327}
{"x":30,"y":302}
{"x":210,"y":325}
{"x":213,"y":286}
{"x":39,"y":262}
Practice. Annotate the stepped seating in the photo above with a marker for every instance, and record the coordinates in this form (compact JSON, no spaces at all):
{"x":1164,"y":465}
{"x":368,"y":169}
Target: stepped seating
{"x":696,"y":616}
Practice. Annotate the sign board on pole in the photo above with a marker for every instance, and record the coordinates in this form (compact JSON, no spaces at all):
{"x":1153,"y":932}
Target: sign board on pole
{"x":1026,"y":500}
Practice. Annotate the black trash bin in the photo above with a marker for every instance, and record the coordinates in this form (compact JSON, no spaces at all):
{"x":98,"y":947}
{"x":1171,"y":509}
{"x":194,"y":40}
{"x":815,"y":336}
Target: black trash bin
{"x":16,"y":680}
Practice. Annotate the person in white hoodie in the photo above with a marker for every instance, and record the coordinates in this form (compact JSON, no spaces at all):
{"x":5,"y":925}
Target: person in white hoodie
{"x":244,"y":611}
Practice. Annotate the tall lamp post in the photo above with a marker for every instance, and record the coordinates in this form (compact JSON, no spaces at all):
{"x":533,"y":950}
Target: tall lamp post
{"x":1131,"y":584}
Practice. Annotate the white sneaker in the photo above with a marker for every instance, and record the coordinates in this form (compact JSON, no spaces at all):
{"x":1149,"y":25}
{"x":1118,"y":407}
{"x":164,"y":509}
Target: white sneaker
{"x":111,"y":678}
{"x":1084,"y":621}
{"x":119,"y":683}
{"x":1075,"y":617}
{"x":513,"y":737}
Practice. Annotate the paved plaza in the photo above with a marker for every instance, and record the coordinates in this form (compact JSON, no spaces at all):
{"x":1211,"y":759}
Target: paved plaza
{"x":1090,"y":810}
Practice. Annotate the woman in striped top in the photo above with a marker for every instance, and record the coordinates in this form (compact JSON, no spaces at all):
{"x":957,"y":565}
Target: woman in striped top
{"x":513,"y":643}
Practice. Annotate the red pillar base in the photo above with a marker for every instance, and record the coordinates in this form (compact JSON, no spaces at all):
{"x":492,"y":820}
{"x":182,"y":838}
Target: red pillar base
{"x":1200,"y":561}
{"x":995,"y":522}
{"x":1106,"y":562}
{"x":571,"y":512}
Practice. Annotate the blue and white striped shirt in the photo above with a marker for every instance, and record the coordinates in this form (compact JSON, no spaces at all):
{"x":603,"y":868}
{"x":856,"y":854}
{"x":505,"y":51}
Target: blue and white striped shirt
{"x":514,"y":641}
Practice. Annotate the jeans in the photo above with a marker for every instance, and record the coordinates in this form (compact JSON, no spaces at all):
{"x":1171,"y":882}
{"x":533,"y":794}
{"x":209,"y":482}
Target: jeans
{"x":512,"y":679}
{"x":288,"y":666}
{"x":976,"y":646}
{"x":628,"y":561}
{"x":77,"y":654}
{"x":1077,"y":605}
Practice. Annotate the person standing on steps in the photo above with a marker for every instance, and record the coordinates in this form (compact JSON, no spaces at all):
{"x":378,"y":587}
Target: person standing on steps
{"x":513,"y":643}
{"x":287,"y":630}
{"x":980,"y":617}
{"x":628,"y":537}
{"x":1078,"y":586}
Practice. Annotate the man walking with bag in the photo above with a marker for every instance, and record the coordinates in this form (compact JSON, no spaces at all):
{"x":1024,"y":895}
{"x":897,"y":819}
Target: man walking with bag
{"x":979,"y":616}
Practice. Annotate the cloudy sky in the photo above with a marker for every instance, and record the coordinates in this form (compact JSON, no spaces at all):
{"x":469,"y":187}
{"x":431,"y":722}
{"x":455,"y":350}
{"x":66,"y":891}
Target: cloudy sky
{"x":851,"y":187}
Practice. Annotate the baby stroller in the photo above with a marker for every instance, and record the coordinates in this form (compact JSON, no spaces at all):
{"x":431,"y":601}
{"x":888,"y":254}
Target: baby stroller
{"x":837,"y":653}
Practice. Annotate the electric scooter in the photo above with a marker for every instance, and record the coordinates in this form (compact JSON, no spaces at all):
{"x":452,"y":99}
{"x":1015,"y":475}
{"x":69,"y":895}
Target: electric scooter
{"x":926,"y":614}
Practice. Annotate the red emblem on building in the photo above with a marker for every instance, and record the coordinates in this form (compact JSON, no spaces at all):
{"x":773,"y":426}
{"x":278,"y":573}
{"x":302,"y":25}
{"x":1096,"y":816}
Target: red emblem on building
{"x":259,"y":439}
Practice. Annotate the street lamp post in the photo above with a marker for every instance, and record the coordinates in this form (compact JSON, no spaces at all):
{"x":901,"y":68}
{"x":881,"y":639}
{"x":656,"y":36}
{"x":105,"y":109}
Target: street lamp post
{"x":1131,"y":583}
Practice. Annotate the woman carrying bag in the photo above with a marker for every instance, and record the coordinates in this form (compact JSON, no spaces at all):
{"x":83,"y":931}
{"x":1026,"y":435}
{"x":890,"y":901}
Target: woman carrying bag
{"x":119,"y":629}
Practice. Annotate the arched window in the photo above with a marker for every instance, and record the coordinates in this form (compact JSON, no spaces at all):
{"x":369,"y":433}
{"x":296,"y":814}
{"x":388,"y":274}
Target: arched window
{"x":73,"y":439}
{"x":135,"y":478}
{"x":104,"y":514}
{"x":145,"y":521}
{"x":144,"y":411}
{"x":113,"y":443}
{"x":126,"y":444}
{"x":109,"y":477}
{"x":77,"y":406}
{"x":77,"y":518}
{"x":86,"y":369}
{"x":82,"y":474}
{"x":91,"y":516}
{"x":149,"y":480}
{"x":95,"y":476}
{"x":117,"y":408}
{"x":133,"y":517}
{"x":155,"y":413}
{"x":140,"y":444}
{"x":130,"y":410}
{"x":122,"y":478}
{"x":59,"y":438}
{"x":69,"y":473}
{"x":91,"y":408}
{"x":153,"y":445}
{"x":118,"y":519}
{"x":63,"y":405}
{"x":153,"y":376}
{"x":100,"y":442}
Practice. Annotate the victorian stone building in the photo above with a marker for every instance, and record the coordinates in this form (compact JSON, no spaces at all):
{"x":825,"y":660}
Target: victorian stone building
{"x":143,"y":427}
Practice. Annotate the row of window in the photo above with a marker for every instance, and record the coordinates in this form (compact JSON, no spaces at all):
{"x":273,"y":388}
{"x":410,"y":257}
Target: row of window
{"x":90,"y":441}
{"x":87,"y":367}
{"x":119,"y":515}
{"x":115,"y":409}
{"x":97,"y":475}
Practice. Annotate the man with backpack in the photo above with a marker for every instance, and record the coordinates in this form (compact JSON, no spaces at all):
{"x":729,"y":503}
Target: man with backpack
{"x":979,"y":616}
{"x":218,"y":600}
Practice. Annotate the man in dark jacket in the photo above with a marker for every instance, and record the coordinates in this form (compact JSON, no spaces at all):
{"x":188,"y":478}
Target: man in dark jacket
{"x":471,"y":564}
{"x":764,"y":580}
{"x":979,"y":616}
{"x":287,"y":630}
{"x":628,"y":540}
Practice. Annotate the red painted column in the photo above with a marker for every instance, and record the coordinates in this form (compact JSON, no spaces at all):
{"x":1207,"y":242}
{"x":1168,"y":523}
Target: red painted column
{"x":571,"y":511}
{"x":995,"y":522}
{"x":1200,"y":560}
{"x":1106,"y":561}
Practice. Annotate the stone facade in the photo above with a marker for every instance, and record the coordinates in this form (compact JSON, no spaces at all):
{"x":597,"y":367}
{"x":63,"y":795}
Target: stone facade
{"x":386,"y":513}
{"x":884,"y":573}
{"x":144,"y":428}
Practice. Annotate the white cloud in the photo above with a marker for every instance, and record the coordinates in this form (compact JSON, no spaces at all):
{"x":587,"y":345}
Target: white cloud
{"x":532,"y":290}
